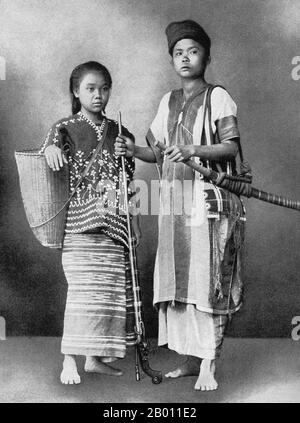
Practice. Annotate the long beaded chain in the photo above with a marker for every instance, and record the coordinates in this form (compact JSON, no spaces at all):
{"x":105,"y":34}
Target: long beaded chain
{"x":99,"y":130}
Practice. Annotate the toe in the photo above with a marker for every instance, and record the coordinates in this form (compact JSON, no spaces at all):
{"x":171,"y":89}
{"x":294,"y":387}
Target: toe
{"x":174,"y":374}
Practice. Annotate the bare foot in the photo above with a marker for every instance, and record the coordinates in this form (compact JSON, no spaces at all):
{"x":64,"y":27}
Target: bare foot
{"x":92,"y":365}
{"x":206,"y":380}
{"x":69,"y":374}
{"x":108,"y":359}
{"x":189,"y":368}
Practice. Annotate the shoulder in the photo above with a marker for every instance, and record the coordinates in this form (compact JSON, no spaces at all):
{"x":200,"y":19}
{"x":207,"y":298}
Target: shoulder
{"x":221,"y":99}
{"x":114,"y":128}
{"x":166,"y":97}
{"x":66,"y":121}
{"x":165,"y":100}
{"x":221,"y":94}
{"x":112,"y":123}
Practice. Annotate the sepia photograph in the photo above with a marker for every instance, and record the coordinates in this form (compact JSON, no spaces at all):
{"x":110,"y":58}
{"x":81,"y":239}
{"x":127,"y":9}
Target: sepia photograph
{"x":150,"y":225}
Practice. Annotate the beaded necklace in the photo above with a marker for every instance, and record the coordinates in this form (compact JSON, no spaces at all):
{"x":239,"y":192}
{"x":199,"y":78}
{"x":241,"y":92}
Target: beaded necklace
{"x":98,"y":129}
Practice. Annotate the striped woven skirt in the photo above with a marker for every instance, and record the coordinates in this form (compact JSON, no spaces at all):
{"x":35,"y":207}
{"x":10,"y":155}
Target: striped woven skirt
{"x":99,"y":314}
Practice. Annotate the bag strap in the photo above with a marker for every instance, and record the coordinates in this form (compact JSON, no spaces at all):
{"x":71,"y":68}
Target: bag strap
{"x":209,"y":92}
{"x":207,"y":129}
{"x":82,"y":176}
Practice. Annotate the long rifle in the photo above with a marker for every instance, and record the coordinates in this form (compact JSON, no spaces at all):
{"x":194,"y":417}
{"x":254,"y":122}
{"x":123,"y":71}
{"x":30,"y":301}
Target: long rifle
{"x":141,"y":348}
{"x":237,"y":185}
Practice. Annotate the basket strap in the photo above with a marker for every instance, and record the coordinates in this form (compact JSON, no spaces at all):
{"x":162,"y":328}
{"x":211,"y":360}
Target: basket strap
{"x":83,"y":175}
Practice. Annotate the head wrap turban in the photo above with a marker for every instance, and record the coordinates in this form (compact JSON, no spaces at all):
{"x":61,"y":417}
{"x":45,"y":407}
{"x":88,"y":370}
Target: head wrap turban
{"x":176,"y":31}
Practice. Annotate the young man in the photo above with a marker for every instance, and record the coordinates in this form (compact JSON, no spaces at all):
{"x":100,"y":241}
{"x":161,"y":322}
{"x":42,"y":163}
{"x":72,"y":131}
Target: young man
{"x":197,"y":277}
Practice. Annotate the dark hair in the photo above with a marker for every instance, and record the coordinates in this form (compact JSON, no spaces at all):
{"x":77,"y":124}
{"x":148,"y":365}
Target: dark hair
{"x":76,"y":78}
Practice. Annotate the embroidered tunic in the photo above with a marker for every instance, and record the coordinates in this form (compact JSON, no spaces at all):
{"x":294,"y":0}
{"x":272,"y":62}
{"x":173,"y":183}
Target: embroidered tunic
{"x":99,"y":199}
{"x":199,"y":255}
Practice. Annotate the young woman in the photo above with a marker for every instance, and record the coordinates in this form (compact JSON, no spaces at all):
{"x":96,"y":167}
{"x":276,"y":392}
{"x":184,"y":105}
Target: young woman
{"x":99,"y":316}
{"x":197,"y":277}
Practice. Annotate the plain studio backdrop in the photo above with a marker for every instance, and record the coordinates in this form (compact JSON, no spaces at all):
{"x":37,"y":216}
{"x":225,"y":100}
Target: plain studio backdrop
{"x":254,"y":44}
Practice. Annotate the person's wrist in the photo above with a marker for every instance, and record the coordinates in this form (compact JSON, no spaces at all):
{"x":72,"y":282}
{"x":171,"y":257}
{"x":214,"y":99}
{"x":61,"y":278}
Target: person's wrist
{"x":134,"y":150}
{"x":197,"y":151}
{"x":193,"y":150}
